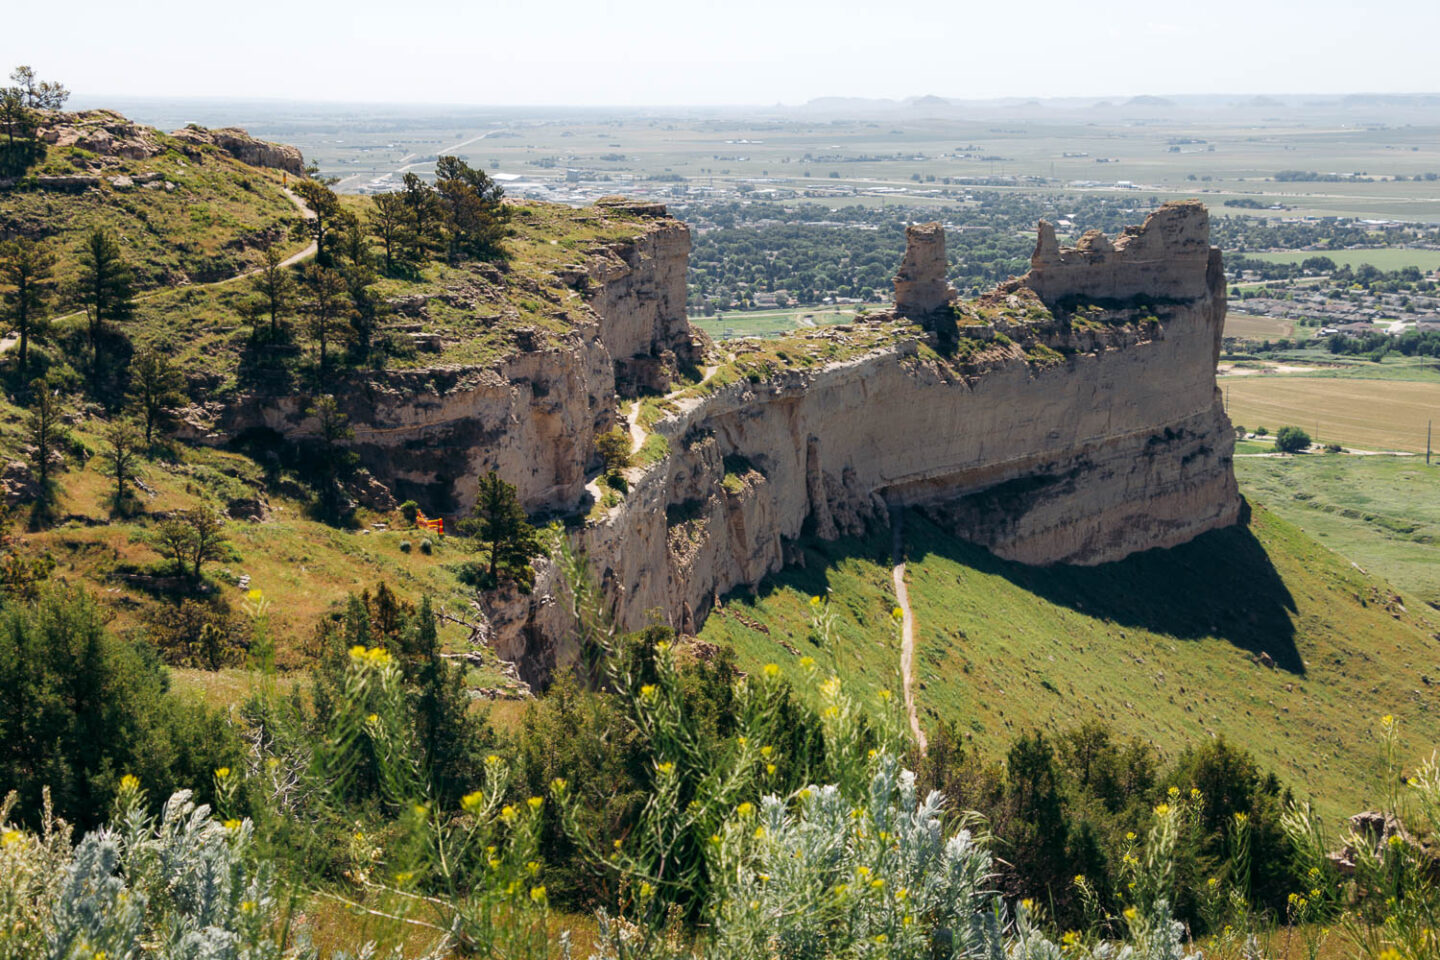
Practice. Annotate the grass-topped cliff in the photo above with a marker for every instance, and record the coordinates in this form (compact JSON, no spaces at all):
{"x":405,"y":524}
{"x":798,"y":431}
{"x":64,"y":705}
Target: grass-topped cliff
{"x":184,"y":208}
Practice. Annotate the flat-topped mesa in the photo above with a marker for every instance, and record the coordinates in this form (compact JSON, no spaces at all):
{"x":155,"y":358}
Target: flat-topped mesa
{"x":920,"y":286}
{"x":1168,"y":258}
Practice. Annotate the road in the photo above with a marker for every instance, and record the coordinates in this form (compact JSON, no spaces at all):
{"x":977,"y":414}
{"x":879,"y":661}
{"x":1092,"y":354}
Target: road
{"x":907,"y":626}
{"x":401,"y":170}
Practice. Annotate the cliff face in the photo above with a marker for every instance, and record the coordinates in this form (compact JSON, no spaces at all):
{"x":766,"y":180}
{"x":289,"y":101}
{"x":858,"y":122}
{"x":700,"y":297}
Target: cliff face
{"x":1071,"y":416}
{"x":1116,"y":443}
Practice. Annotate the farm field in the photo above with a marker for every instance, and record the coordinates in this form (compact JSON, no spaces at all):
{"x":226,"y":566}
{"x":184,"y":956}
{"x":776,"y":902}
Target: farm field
{"x":1257,"y":328}
{"x":1380,"y":512}
{"x":1382,"y":258}
{"x":1366,"y":414}
{"x":770,"y":323}
{"x":1163,"y":645}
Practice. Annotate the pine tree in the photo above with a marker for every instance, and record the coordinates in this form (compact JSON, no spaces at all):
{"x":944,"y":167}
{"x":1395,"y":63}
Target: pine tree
{"x":499,"y":521}
{"x":105,"y":289}
{"x":26,"y":271}
{"x":156,"y":388}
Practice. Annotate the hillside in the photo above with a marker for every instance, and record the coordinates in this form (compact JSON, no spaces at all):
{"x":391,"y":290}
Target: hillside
{"x":1165,"y":645}
{"x":189,"y":207}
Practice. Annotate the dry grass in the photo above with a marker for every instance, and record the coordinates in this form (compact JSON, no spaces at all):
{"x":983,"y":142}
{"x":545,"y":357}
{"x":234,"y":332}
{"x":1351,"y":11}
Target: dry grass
{"x":1366,"y":414}
{"x":1249,"y":327}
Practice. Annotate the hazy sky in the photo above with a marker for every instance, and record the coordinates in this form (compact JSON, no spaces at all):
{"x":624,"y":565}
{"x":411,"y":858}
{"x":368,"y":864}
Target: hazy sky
{"x":736,"y":52}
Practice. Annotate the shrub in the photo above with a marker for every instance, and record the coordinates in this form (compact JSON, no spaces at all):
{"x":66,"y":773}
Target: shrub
{"x":409,"y":510}
{"x":404,"y":546}
{"x":426,"y":547}
{"x":1292,"y":440}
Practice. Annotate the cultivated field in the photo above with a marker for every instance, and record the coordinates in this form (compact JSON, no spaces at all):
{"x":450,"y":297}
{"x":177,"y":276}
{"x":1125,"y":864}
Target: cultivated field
{"x":1367,"y":414}
{"x":1257,"y":328}
{"x":1383,"y":258}
{"x":770,"y":323}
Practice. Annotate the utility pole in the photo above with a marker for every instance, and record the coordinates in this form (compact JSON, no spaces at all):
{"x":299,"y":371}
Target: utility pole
{"x":1427,"y":441}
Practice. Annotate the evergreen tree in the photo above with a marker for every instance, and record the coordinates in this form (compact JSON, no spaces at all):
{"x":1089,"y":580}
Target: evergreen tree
{"x":45,"y":433}
{"x":499,"y":522}
{"x":327,"y":308}
{"x":325,"y":216}
{"x":156,"y":388}
{"x":105,"y":288}
{"x":122,"y":438}
{"x":476,"y":222}
{"x":392,"y":223}
{"x":275,"y":288}
{"x":26,"y":270}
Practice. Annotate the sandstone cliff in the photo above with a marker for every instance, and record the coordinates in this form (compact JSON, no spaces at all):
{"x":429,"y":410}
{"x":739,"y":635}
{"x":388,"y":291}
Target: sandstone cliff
{"x":1071,"y":416}
{"x":1095,"y":431}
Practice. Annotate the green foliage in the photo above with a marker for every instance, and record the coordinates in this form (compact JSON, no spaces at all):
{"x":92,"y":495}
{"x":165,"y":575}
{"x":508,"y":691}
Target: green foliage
{"x":613,"y":446}
{"x":156,"y":390}
{"x":1291,"y":440}
{"x":82,"y":708}
{"x":192,"y":538}
{"x":26,"y":286}
{"x":499,"y":524}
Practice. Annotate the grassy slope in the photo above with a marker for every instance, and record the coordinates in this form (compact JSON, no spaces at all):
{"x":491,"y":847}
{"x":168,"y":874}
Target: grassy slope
{"x":1381,"y":512}
{"x":304,"y":568}
{"x":476,"y":308}
{"x":211,"y":226}
{"x":1163,"y":645}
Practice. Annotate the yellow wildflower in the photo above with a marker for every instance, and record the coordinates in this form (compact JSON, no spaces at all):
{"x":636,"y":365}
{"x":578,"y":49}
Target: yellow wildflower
{"x":646,"y":890}
{"x":222,"y":772}
{"x":1163,"y":810}
{"x":647,"y":691}
{"x":897,"y":613}
{"x":247,"y":906}
{"x":1174,"y":793}
{"x":1130,"y":914}
{"x":129,"y":782}
{"x":9,"y":837}
{"x":558,"y":785}
{"x":772,"y":670}
{"x":232,"y":824}
{"x":254,"y":595}
{"x":357,"y":652}
{"x":534,"y":803}
{"x":807,"y":662}
{"x":814,"y":601}
{"x":538,"y":894}
{"x":759,"y":833}
{"x":745,"y":809}
{"x":770,"y":769}
{"x":1387,"y":721}
{"x":766,"y":750}
{"x":472,"y":802}
{"x":877,"y":883}
{"x":373,"y":718}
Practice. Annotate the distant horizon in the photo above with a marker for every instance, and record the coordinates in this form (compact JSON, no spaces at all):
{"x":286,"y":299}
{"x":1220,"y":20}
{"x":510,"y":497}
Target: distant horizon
{"x":580,"y":53}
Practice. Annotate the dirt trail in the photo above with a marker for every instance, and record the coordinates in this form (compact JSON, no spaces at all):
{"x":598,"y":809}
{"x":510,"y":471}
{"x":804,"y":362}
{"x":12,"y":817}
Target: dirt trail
{"x":907,"y":627}
{"x":289,"y":261}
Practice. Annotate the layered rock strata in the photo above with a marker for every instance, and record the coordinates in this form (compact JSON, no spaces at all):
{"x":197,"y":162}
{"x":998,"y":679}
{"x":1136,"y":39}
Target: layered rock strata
{"x":1097,"y":432}
{"x":1071,"y":417}
{"x":920,"y":286}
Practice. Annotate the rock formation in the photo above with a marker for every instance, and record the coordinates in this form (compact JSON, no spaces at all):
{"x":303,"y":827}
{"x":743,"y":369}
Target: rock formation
{"x":1073,"y":417}
{"x":245,"y":148}
{"x":110,"y":135}
{"x":920,"y":286}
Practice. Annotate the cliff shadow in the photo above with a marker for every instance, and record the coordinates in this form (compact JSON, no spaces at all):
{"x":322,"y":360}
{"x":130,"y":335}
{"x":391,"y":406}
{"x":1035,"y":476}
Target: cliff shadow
{"x":1221,"y":584}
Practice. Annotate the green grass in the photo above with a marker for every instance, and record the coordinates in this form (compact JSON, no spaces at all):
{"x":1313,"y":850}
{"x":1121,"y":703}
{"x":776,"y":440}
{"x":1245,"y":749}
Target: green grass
{"x":212,"y":225}
{"x":1380,"y":512}
{"x":1382,"y":258}
{"x":1163,"y":645}
{"x":771,"y":323}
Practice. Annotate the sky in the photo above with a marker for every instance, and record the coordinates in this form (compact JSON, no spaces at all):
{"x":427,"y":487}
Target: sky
{"x":738,"y":52}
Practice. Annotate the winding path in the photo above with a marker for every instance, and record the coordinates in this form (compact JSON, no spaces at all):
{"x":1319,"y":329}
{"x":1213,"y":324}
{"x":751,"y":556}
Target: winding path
{"x":907,"y":626}
{"x":290,"y":261}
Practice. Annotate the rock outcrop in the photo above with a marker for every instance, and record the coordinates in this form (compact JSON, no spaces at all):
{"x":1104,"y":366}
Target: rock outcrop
{"x":1091,"y":429}
{"x":245,"y":148}
{"x":920,"y":286}
{"x":108,"y":134}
